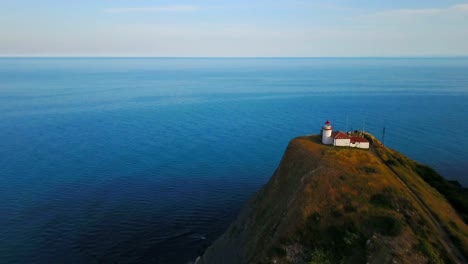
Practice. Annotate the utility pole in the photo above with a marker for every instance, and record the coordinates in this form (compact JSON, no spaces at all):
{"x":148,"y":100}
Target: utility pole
{"x":346,"y":123}
{"x":383,"y":136}
{"x":363,"y":125}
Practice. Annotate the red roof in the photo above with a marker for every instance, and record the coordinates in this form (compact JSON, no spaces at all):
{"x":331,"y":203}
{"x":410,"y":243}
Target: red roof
{"x":327,"y":123}
{"x":358,"y":139}
{"x":339,"y":135}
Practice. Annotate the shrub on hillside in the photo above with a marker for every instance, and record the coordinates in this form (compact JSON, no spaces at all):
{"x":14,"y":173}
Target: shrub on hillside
{"x":455,"y":193}
{"x":381,"y":200}
{"x":386,"y":225}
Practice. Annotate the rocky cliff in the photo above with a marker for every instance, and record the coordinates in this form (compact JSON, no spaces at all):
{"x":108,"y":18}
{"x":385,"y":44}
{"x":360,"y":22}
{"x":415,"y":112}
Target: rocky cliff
{"x":338,"y":205}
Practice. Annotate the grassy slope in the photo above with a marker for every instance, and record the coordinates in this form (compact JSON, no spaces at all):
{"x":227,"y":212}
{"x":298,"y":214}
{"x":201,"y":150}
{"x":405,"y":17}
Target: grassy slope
{"x":416,"y":177}
{"x":331,"y":205}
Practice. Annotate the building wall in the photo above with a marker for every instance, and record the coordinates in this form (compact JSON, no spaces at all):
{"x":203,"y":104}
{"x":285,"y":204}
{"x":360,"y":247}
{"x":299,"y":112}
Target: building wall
{"x":342,"y":142}
{"x":326,"y":137}
{"x":363,"y":145}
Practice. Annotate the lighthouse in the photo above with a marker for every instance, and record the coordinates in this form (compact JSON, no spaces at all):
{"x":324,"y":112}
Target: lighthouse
{"x":342,"y":139}
{"x":327,"y":133}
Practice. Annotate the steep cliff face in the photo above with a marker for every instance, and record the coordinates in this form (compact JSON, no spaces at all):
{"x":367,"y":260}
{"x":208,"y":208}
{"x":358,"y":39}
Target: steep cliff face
{"x":338,"y":205}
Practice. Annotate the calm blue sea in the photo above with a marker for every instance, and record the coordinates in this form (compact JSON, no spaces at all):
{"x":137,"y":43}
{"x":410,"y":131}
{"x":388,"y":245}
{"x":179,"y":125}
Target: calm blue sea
{"x":149,"y":160}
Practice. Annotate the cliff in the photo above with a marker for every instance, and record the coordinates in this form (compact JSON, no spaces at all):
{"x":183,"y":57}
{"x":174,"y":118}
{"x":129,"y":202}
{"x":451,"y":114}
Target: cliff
{"x":338,"y":205}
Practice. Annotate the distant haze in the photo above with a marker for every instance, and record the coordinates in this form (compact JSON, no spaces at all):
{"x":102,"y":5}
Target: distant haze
{"x":254,"y":28}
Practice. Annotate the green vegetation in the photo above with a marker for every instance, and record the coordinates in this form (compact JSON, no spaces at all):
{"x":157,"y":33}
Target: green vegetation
{"x":431,"y":189}
{"x":342,"y":205}
{"x":345,"y":241}
{"x":456,"y":194}
{"x":351,"y":238}
{"x":427,"y":249}
{"x":387,"y":199}
{"x":381,"y":200}
{"x":369,"y":170}
{"x":279,"y":252}
{"x":321,"y":256}
{"x":386,"y":225}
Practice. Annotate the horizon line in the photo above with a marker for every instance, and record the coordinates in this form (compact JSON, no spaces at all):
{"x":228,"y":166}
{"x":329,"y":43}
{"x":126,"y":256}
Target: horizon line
{"x":231,"y":57}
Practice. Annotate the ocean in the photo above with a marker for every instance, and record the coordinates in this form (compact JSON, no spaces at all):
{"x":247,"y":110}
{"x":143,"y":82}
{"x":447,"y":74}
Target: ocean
{"x":148,"y":160}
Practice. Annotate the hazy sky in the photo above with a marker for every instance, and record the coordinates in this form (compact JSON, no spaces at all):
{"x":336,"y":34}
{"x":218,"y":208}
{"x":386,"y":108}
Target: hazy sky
{"x":233,"y":28}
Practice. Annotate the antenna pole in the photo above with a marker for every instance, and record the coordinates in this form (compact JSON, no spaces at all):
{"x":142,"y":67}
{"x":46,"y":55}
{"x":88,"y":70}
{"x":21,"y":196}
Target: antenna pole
{"x":346,"y":123}
{"x":383,"y":136}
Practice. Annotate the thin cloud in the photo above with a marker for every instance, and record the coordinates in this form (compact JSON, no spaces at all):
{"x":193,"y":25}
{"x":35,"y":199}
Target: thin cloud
{"x":461,"y":7}
{"x":148,"y":9}
{"x":424,"y":11}
{"x":409,"y":12}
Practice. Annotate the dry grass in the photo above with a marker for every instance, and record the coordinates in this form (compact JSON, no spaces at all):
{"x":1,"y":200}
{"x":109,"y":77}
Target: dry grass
{"x":326,"y":199}
{"x":341,"y":193}
{"x":435,"y":201}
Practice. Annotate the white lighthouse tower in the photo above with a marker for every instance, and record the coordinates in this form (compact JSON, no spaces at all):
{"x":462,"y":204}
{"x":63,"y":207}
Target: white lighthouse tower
{"x":326,"y":133}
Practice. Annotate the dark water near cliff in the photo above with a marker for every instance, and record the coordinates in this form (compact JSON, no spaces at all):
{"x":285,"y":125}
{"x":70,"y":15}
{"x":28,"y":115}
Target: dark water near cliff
{"x":148,"y":160}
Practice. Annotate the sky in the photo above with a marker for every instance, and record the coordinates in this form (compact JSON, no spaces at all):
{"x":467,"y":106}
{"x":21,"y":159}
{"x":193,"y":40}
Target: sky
{"x":242,"y":28}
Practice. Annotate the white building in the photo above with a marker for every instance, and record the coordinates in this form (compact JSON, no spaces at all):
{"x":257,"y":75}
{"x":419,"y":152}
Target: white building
{"x":342,"y":139}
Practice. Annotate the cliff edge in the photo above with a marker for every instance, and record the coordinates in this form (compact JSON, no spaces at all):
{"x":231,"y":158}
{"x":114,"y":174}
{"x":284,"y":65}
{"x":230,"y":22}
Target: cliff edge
{"x":326,"y":204}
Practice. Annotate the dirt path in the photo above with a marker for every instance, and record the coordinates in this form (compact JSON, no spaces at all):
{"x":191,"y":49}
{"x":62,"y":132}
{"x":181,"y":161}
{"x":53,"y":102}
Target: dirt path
{"x":447,"y":242}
